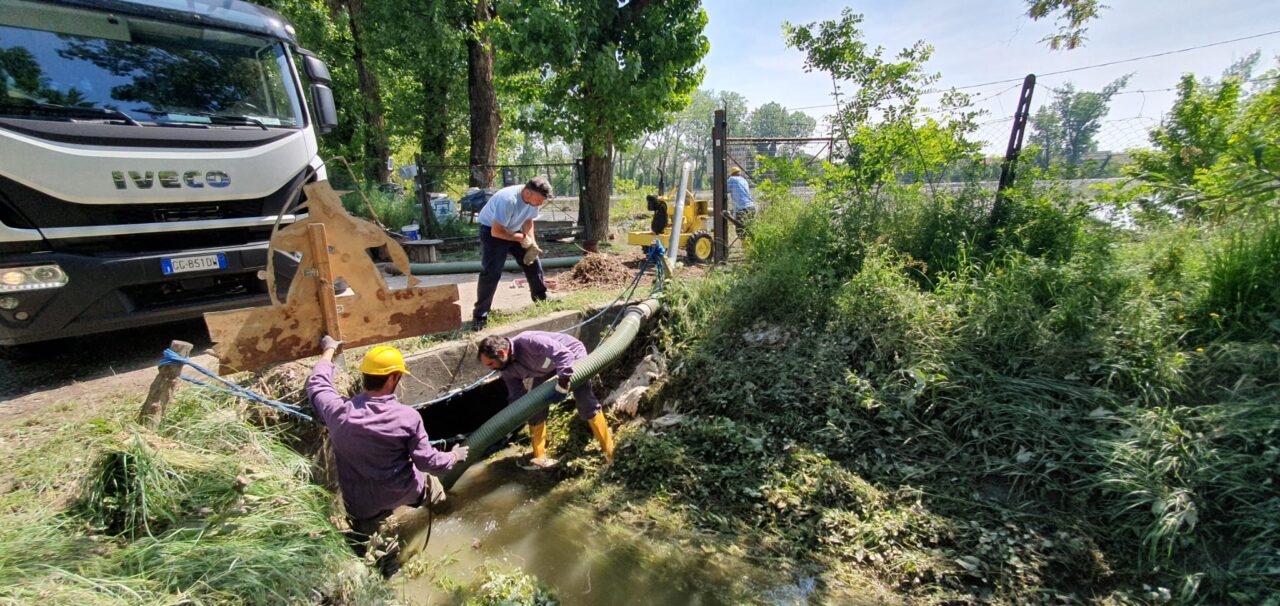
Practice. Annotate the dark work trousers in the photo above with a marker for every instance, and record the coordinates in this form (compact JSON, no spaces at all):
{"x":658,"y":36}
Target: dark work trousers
{"x":493,"y":255}
{"x":588,"y":405}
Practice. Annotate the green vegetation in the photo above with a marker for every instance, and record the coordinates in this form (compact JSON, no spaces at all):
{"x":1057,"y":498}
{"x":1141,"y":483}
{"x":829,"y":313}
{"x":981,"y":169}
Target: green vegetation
{"x":903,"y":394}
{"x":908,"y":396}
{"x":602,"y":73}
{"x":1047,"y":409}
{"x":395,"y":211}
{"x":511,"y":589}
{"x":208,"y":509}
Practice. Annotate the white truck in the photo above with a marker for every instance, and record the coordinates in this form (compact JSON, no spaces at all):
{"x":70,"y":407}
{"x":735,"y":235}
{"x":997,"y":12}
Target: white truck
{"x":147,"y":148}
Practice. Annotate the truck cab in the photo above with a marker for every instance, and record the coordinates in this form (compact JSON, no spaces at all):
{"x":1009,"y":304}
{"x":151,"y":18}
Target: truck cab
{"x":147,"y":150}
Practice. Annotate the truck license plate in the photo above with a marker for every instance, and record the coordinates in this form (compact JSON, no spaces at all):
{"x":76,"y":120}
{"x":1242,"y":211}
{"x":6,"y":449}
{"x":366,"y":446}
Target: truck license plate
{"x":179,"y":265}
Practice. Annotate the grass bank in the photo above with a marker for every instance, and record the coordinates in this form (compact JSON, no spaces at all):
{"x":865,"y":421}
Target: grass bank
{"x":910,"y":402}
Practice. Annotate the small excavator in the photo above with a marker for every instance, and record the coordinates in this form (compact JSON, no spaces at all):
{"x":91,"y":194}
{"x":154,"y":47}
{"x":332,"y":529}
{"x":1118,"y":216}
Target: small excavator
{"x":694,"y":237}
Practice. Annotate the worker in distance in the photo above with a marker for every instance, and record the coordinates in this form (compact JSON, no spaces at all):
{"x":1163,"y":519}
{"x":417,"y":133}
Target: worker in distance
{"x":506,"y":228}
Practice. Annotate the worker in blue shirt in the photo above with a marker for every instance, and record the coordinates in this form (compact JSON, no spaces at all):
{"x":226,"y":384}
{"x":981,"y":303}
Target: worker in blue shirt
{"x":506,"y":228}
{"x":744,"y":206}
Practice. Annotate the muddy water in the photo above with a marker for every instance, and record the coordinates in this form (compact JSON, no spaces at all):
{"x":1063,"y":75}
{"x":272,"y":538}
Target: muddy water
{"x":504,"y":518}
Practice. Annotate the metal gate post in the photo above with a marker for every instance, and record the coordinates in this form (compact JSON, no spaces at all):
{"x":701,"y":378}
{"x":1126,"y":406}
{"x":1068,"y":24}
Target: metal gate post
{"x":580,"y":174}
{"x":1008,"y":168}
{"x":719,"y":132}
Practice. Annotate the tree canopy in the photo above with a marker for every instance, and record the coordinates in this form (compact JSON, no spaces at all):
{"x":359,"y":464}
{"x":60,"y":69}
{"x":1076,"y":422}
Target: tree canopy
{"x":604,"y":73}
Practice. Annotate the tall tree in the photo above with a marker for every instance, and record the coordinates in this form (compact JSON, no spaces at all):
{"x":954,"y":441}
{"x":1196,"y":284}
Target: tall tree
{"x":607,"y":72}
{"x":375,"y":136}
{"x":422,"y":83}
{"x":773,"y":120}
{"x":485,"y":119}
{"x":1068,"y":125}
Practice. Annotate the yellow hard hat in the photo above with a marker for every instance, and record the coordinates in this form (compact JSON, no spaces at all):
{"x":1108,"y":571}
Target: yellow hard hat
{"x":383,"y":360}
{"x":735,"y":171}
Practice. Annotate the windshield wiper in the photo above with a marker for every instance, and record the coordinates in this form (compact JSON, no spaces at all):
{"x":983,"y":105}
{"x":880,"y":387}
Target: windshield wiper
{"x":222,"y":119}
{"x":234,"y":120}
{"x":71,"y":111}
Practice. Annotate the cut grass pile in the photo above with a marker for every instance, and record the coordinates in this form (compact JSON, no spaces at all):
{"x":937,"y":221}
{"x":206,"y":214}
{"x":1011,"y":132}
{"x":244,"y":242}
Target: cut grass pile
{"x":208,"y":509}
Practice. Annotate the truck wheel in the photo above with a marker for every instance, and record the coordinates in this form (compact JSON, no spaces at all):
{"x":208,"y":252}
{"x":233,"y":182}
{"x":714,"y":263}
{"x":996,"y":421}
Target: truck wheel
{"x":699,"y":247}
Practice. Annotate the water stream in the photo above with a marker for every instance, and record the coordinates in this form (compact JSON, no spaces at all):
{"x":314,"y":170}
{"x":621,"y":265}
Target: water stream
{"x":503,"y":517}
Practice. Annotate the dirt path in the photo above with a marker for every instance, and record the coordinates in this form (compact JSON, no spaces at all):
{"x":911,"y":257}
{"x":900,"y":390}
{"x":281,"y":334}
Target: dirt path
{"x":77,"y":372}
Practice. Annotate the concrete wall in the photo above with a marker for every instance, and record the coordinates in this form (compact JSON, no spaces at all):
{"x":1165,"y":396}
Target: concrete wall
{"x":453,"y":365}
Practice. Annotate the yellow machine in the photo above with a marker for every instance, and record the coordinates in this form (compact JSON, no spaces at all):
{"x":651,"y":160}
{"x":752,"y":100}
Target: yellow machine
{"x":694,"y":238}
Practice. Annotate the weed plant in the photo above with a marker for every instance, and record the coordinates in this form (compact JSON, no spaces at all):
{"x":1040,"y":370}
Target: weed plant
{"x":900,"y":396}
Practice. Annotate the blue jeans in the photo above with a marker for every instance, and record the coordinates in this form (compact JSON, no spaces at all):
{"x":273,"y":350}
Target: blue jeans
{"x":493,"y":255}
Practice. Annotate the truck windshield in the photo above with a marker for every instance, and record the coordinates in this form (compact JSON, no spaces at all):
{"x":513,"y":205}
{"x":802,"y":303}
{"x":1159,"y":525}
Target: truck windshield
{"x":144,"y":73}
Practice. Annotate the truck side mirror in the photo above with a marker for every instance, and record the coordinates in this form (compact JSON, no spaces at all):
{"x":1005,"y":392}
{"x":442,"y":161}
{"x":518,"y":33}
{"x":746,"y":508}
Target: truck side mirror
{"x":326,"y":110}
{"x":321,"y":94}
{"x":316,"y":69}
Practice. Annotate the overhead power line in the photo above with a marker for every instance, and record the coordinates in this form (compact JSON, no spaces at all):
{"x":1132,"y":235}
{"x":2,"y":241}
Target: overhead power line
{"x":1120,"y":61}
{"x":1081,"y":68}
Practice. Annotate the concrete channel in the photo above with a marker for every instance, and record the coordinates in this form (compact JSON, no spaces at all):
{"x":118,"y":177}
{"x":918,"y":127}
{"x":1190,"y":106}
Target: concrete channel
{"x":442,"y":373}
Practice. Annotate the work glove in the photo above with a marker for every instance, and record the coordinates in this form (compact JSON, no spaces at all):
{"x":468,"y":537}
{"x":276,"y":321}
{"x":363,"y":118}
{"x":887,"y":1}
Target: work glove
{"x":327,"y":342}
{"x":459,"y":453}
{"x":531,"y":251}
{"x":560,"y":392}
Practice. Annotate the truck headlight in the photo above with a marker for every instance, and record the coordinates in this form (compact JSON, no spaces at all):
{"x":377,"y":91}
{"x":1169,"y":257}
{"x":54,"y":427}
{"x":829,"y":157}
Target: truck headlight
{"x":34,"y":277}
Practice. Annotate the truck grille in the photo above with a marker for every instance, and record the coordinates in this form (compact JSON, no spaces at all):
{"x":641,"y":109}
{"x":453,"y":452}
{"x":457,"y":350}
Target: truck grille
{"x":175,"y":293}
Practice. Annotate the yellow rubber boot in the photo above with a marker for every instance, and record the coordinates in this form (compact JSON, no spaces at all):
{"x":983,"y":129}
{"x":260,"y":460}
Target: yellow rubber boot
{"x":601,"y":430}
{"x":538,"y":435}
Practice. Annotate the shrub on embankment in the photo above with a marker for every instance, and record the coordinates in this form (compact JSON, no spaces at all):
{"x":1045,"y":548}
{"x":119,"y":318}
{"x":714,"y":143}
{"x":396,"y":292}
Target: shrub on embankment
{"x":904,"y":399}
{"x":208,"y":509}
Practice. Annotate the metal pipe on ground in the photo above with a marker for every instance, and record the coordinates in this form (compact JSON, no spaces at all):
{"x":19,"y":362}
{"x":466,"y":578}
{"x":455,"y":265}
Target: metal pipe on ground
{"x":515,"y":414}
{"x":470,"y":267}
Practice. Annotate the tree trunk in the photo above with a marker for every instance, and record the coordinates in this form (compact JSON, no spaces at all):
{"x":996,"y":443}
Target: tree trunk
{"x":599,"y":167}
{"x":484,"y":102}
{"x":375,"y":136}
{"x":435,"y":131}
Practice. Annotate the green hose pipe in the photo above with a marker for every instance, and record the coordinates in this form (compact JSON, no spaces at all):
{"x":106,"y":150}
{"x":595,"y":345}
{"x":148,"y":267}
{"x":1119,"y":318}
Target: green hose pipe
{"x":471,"y":267}
{"x":537,"y":400}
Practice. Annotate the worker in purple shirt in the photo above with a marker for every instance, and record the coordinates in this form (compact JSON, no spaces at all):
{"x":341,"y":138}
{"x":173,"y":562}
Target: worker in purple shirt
{"x":539,"y":356}
{"x":380,"y":445}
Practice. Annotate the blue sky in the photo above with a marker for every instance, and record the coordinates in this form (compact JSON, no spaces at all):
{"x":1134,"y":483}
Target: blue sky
{"x":979,"y":41}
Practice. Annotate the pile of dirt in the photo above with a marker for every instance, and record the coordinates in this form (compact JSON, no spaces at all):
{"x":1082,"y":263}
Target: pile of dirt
{"x":598,"y":271}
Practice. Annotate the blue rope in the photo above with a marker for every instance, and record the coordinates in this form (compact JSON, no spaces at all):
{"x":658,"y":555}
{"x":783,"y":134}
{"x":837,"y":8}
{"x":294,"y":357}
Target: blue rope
{"x":631,"y":291}
{"x":172,"y":357}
